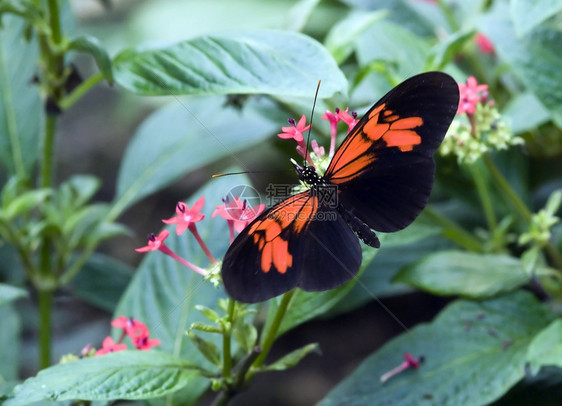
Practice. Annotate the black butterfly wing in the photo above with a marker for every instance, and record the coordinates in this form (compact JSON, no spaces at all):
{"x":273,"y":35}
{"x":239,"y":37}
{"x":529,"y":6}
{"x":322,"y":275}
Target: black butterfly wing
{"x":384,"y":169}
{"x":295,"y":243}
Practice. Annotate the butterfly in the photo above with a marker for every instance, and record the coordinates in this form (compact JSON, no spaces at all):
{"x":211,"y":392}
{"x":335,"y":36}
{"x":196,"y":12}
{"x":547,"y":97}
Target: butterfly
{"x":379,"y":179}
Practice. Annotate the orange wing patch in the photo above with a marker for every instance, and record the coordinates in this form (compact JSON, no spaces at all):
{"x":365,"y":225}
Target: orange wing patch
{"x":267,"y":234}
{"x":394,"y":131}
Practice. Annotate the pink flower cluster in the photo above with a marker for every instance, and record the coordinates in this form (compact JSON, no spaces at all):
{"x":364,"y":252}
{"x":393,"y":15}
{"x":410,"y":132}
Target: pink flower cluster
{"x":471,"y":94}
{"x":132,"y":328}
{"x":296,"y":132}
{"x":235,"y":211}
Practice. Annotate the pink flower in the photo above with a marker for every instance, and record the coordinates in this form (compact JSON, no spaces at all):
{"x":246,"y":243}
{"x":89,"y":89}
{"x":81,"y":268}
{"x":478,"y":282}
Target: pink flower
{"x":349,"y":119}
{"x":110,"y":346}
{"x":154,"y":242}
{"x":318,"y":150}
{"x":157,"y":244}
{"x":470,"y":95}
{"x":186,"y":217}
{"x":295,"y":131}
{"x":237,"y":213}
{"x":410,"y":362}
{"x":145,"y":343}
{"x":131,"y":327}
{"x":484,"y":43}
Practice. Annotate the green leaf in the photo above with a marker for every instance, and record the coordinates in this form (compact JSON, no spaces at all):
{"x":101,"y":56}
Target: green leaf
{"x":535,"y":58}
{"x":102,"y":281}
{"x":293,"y":358}
{"x":183,"y":137}
{"x":20,"y":105}
{"x":525,"y":112}
{"x":10,"y":293}
{"x":401,"y":51}
{"x":474,"y":352}
{"x":377,"y":280}
{"x":466,"y":274}
{"x":163,"y":293}
{"x":24,"y":203}
{"x":239,"y":62}
{"x":342,"y":36}
{"x":546,"y":348}
{"x":305,"y":306}
{"x":299,"y":14}
{"x":77,"y":190}
{"x":527,"y":14}
{"x":10,"y":337}
{"x":119,"y":375}
{"x":246,"y":335}
{"x":209,"y":349}
{"x":444,"y":52}
{"x":208,"y":312}
{"x":91,"y":45}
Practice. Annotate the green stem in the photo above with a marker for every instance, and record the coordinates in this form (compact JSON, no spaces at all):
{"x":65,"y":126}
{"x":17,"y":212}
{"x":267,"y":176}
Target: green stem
{"x":455,"y":232}
{"x":54,"y":21}
{"x":80,"y":91}
{"x":506,"y":188}
{"x":48,"y":147}
{"x":226,"y":338}
{"x":485,"y":198}
{"x":520,"y":207}
{"x":271,"y":335}
{"x":45,"y":297}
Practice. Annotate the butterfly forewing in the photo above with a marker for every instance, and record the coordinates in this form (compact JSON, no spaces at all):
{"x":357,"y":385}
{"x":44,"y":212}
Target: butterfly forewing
{"x":384,"y":168}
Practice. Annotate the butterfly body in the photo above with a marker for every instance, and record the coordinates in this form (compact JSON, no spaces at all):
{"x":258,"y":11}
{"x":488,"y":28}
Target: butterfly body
{"x":379,"y":179}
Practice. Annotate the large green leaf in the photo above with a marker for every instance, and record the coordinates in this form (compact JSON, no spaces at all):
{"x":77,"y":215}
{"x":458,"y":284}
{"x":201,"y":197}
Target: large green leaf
{"x":182,"y":137}
{"x":535,"y":58}
{"x":546,"y":348}
{"x":527,"y":14}
{"x":20,"y":105}
{"x":163,"y":293}
{"x":119,"y":375}
{"x":342,"y":36}
{"x":474,"y":352}
{"x":377,"y":280}
{"x":466,"y":274}
{"x":247,"y":62}
{"x":401,"y":51}
{"x":102,"y":281}
{"x":525,"y":112}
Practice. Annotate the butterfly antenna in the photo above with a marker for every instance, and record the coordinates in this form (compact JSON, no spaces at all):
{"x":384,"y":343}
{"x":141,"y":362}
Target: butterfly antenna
{"x":219,"y":175}
{"x":311,"y":117}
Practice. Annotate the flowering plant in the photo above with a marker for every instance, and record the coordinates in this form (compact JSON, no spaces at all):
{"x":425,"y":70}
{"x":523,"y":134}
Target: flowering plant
{"x":489,"y":240}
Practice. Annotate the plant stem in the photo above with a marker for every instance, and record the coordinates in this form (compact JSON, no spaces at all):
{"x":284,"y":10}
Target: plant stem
{"x":484,"y":196}
{"x":226,"y":337}
{"x":506,"y":188}
{"x":46,"y":175}
{"x":271,"y":335}
{"x":455,"y":232}
{"x":54,"y":21}
{"x":521,"y":208}
{"x":45,"y":297}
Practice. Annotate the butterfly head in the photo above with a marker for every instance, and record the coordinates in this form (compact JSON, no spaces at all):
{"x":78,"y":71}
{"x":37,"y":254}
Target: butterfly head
{"x":307,"y":174}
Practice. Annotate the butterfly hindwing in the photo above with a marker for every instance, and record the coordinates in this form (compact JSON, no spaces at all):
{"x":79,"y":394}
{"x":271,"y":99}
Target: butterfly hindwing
{"x":384,"y":168}
{"x":295,"y":243}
